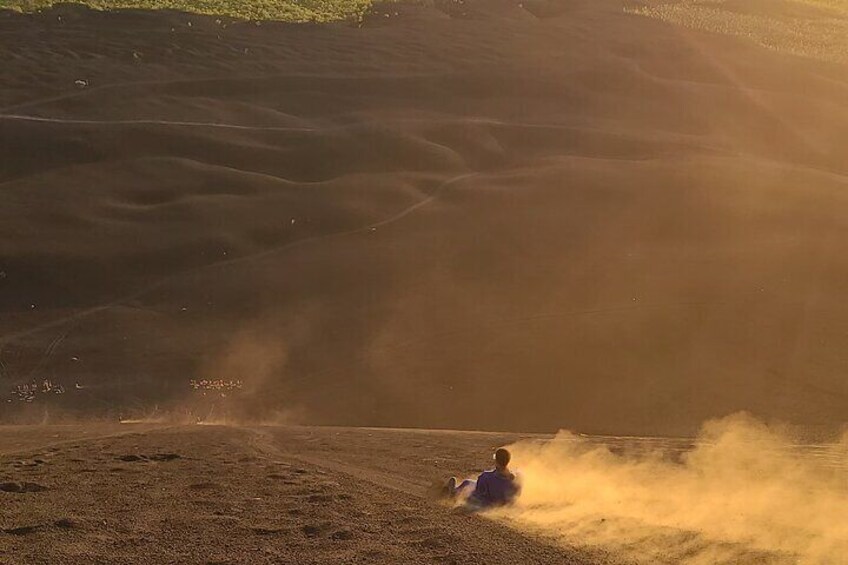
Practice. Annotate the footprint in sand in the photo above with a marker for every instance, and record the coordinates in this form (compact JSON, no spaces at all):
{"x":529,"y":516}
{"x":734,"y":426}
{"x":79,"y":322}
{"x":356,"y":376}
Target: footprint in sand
{"x":21,"y":487}
{"x":204,"y":486}
{"x":132,"y":458}
{"x":342,"y":535}
{"x":25,"y":463}
{"x":62,"y":523}
{"x":65,"y":523}
{"x":316,"y":530}
{"x":22,"y":530}
{"x":165,"y":457}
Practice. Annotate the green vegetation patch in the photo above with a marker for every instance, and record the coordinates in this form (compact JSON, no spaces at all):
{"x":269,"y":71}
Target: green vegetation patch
{"x":280,"y":10}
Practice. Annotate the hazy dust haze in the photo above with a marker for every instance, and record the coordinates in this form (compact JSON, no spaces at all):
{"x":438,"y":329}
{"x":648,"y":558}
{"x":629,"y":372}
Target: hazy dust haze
{"x":557,"y":209}
{"x":745,"y":493}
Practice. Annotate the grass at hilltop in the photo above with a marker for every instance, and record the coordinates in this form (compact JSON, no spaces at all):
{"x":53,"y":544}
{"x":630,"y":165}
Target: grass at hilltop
{"x":281,"y":10}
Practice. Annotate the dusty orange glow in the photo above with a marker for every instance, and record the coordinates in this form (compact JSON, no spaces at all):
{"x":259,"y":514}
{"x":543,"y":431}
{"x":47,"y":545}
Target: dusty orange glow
{"x":337,"y":245}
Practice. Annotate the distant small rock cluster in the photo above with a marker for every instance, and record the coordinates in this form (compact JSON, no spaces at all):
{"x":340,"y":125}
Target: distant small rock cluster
{"x":29,"y":392}
{"x":219,"y":386}
{"x":133,"y":458}
{"x":213,"y":398}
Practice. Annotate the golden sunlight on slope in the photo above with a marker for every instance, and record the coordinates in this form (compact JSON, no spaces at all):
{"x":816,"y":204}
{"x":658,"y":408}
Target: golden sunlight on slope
{"x":811,"y":28}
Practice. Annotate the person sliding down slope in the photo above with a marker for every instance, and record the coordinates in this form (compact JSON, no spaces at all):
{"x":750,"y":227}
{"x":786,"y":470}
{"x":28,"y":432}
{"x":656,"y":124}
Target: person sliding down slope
{"x":497,"y":487}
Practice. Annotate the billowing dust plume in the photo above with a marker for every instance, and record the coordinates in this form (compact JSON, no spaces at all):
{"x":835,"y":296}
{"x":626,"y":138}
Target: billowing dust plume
{"x":744,"y":493}
{"x":232,"y":386}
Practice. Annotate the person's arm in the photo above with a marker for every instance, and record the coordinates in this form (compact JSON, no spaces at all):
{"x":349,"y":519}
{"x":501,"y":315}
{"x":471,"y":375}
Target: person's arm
{"x":481,"y":492}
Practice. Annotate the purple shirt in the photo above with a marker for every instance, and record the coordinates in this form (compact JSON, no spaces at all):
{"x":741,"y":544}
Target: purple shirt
{"x":495,"y":489}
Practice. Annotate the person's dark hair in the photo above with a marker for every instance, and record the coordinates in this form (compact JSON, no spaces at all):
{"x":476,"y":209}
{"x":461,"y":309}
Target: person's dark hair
{"x":502,"y":457}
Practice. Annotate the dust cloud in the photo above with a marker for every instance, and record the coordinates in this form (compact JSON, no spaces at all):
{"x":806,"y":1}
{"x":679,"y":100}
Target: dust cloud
{"x":233,"y":385}
{"x":745,"y":492}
